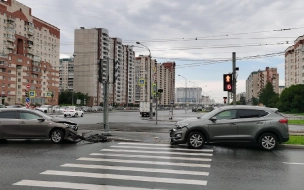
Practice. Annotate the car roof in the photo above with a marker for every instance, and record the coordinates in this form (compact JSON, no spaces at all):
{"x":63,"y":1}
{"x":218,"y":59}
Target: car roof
{"x":247,"y":107}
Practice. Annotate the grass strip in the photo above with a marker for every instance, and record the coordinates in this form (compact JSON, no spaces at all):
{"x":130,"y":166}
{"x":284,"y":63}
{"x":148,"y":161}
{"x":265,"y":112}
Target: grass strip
{"x":293,"y":139}
{"x":296,"y":122}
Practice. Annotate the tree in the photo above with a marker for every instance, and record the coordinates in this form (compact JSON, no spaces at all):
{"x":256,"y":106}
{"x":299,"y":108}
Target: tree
{"x":268,"y":97}
{"x":292,"y":99}
{"x":66,"y":97}
{"x":242,"y":100}
{"x":255,"y":101}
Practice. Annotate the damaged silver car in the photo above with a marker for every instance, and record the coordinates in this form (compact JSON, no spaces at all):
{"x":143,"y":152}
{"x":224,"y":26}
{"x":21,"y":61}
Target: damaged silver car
{"x":32,"y":124}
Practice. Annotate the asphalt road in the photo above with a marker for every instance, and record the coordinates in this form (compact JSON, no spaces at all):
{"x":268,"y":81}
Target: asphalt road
{"x":31,"y":165}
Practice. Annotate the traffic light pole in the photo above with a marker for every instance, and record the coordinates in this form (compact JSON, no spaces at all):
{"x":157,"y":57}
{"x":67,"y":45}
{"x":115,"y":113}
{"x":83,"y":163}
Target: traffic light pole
{"x":234,"y":78}
{"x":107,"y":131}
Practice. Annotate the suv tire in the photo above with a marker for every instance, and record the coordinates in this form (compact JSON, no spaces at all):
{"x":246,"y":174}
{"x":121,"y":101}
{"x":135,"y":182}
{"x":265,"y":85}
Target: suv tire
{"x":268,"y":141}
{"x":195,"y":140}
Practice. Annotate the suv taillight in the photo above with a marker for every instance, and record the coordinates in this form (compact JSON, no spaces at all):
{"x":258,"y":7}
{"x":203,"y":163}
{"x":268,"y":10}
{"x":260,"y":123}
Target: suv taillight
{"x":283,"y":120}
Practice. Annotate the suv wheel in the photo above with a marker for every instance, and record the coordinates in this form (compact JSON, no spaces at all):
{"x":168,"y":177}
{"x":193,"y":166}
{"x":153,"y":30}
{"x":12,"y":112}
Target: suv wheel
{"x":268,"y":141}
{"x":195,"y":140}
{"x":57,"y":136}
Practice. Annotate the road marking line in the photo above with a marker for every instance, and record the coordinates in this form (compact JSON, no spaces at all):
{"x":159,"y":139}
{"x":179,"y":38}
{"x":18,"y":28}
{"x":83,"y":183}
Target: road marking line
{"x":125,"y":177}
{"x":293,"y":163}
{"x":144,"y":162}
{"x":156,"y":157}
{"x":157,"y":152}
{"x":163,"y":148}
{"x":68,"y":185}
{"x":145,"y":144}
{"x":122,"y":168}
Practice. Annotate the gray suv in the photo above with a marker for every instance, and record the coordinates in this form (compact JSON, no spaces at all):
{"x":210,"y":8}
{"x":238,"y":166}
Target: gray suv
{"x":261,"y":125}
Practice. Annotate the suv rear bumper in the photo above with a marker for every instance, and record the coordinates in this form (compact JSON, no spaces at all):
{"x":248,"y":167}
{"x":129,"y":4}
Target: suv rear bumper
{"x":285,"y":139}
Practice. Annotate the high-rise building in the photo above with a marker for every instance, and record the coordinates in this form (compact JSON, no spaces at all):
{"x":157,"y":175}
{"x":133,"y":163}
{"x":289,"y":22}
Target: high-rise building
{"x":294,"y":63}
{"x":257,"y":81}
{"x":66,"y":74}
{"x":95,"y":48}
{"x":162,"y":76}
{"x":29,"y":55}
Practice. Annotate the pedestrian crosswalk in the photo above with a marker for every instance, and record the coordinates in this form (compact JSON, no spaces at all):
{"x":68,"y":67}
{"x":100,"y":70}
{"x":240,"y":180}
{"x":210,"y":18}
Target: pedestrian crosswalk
{"x":124,"y":166}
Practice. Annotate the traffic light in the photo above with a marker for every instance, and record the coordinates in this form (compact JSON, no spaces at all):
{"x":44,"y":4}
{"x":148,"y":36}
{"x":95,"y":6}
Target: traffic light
{"x":228,"y":81}
{"x":116,"y":73}
{"x":26,"y":93}
{"x":225,"y":99}
{"x":102,"y":71}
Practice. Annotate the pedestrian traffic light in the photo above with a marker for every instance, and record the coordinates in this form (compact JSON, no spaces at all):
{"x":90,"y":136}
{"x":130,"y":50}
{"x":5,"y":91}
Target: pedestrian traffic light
{"x":225,"y":99}
{"x":26,"y":93}
{"x":228,"y":81}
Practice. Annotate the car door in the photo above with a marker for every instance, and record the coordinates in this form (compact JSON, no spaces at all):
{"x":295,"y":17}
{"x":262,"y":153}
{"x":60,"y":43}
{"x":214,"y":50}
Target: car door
{"x":249,"y":122}
{"x":31,"y":127}
{"x":224,"y":128}
{"x":9,"y":124}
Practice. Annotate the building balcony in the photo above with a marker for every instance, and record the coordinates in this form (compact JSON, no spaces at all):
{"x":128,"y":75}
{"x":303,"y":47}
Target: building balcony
{"x":10,"y":46}
{"x":3,"y":65}
{"x":36,"y":64}
{"x":36,"y":70}
{"x":4,"y":55}
{"x":30,"y":31}
{"x":11,"y":31}
{"x":10,"y":39}
{"x":30,"y":51}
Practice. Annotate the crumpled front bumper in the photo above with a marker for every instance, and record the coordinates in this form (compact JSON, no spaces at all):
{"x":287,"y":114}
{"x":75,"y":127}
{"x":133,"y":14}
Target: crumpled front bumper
{"x":177,"y":136}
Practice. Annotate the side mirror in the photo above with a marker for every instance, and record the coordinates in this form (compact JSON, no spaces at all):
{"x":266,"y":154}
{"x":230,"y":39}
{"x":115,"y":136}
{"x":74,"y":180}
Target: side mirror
{"x":213,"y":119}
{"x":41,"y":119}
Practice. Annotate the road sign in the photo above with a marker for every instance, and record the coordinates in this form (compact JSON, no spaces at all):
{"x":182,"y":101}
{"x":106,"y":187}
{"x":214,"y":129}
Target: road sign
{"x":49,"y":94}
{"x":32,"y":94}
{"x":141,"y":82}
{"x":27,"y":100}
{"x":28,"y":86}
{"x":27,"y":105}
{"x":78,"y":102}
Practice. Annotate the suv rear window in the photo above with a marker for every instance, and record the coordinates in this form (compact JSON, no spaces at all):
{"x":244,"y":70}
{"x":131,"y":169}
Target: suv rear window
{"x":244,"y":113}
{"x":263,"y":113}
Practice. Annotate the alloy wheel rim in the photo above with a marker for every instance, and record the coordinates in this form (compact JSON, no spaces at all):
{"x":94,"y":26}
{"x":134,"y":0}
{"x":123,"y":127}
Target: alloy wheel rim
{"x":196,"y":140}
{"x":56,"y":136}
{"x":268,"y":142}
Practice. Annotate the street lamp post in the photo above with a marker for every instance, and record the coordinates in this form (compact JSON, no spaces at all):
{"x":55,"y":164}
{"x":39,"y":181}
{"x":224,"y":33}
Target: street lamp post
{"x":150,"y":94}
{"x":196,"y":92}
{"x":185,"y":92}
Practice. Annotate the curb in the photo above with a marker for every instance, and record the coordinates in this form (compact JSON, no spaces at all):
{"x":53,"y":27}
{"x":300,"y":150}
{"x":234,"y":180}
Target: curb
{"x":291,"y":146}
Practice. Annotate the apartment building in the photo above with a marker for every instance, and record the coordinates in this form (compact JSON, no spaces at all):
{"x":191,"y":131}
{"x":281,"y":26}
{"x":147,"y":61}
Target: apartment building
{"x":94,"y":48}
{"x":257,"y":81}
{"x":162,"y":75}
{"x":66,"y":74}
{"x":294,"y":63}
{"x":239,"y":95}
{"x":29,"y":55}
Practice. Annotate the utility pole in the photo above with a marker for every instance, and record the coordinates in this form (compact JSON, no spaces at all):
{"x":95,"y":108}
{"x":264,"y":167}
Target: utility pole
{"x":234,"y":78}
{"x":107,"y":131}
{"x":228,"y":97}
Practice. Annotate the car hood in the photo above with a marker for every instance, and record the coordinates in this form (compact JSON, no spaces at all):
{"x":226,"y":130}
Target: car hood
{"x":189,"y":120}
{"x":63,"y":120}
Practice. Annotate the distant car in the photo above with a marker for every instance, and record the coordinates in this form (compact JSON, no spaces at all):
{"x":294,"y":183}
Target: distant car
{"x":44,"y":108}
{"x":73,"y":112}
{"x":32,"y":124}
{"x":2,"y":106}
{"x":194,"y":109}
{"x":261,"y":125}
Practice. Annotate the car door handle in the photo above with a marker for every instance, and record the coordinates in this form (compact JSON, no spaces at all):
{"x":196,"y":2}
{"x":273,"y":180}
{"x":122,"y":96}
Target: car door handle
{"x":21,"y":122}
{"x":260,"y":122}
{"x":232,"y":123}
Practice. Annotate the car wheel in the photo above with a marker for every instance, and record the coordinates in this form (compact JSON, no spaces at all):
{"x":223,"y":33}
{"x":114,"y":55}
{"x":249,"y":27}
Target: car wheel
{"x":45,"y":111}
{"x":195,"y":140}
{"x":65,"y":115}
{"x":268,"y":141}
{"x":57,"y":136}
{"x":82,"y":115}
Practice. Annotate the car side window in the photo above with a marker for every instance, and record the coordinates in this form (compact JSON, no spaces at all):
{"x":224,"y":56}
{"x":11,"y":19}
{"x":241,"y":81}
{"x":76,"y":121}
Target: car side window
{"x":228,"y":114}
{"x":8,"y":115}
{"x":244,"y":113}
{"x":28,"y":116}
{"x":263,"y":113}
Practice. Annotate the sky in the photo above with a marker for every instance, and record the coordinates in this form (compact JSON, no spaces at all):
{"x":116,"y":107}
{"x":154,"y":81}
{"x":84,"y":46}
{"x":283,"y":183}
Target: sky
{"x":199,"y":35}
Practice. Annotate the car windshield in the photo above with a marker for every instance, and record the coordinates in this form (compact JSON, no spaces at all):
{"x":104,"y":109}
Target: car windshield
{"x":45,"y":116}
{"x":210,"y":114}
